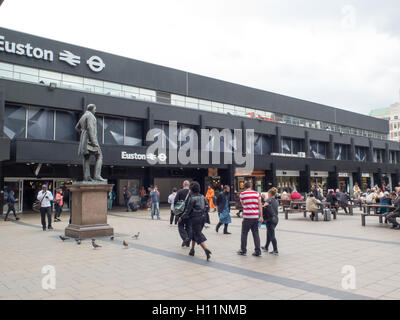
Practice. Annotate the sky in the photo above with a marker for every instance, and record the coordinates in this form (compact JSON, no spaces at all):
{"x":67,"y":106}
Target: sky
{"x":339,"y":53}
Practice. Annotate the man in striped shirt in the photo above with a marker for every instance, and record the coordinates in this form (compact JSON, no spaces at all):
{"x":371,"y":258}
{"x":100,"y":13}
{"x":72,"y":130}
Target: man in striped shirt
{"x":252,"y":214}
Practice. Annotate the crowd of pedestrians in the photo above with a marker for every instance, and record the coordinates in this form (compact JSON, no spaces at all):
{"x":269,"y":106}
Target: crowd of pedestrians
{"x":190,"y":209}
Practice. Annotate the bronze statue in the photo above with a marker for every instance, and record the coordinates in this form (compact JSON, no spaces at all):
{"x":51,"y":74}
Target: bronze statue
{"x":89,"y":145}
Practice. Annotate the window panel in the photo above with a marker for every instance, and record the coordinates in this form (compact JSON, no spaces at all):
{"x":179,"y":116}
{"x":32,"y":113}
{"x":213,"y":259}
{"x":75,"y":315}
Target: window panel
{"x":65,"y":126}
{"x":40,"y":124}
{"x":14,"y":121}
{"x":113,"y":131}
{"x":133,"y":133}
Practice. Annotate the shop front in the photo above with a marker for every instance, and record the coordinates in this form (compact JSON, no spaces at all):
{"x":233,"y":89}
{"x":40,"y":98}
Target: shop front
{"x":256,"y":177}
{"x":386,"y":181}
{"x":345,"y":181}
{"x":287,"y":180}
{"x":26,"y":190}
{"x":320,"y":178}
{"x":367,"y":181}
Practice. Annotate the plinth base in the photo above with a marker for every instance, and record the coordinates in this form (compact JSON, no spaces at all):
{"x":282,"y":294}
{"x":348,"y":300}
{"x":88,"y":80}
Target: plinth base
{"x":88,"y":232}
{"x":89,"y":211}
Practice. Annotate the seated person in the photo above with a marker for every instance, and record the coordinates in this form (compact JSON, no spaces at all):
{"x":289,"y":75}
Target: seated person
{"x":295,"y":195}
{"x":331,"y":198}
{"x":312,"y":205}
{"x":385,"y":200}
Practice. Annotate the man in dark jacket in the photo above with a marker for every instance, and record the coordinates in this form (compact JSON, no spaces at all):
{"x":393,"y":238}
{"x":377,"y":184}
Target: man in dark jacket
{"x":184,"y":224}
{"x":396,"y":213}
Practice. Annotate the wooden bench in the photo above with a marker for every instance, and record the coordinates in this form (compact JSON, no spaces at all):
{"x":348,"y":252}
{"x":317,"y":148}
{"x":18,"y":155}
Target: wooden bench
{"x":290,"y":210}
{"x":364,"y":215}
{"x":287,"y":211}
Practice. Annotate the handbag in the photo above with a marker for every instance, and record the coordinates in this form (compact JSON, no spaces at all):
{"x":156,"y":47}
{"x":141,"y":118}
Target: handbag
{"x":179,"y":207}
{"x":37,"y":204}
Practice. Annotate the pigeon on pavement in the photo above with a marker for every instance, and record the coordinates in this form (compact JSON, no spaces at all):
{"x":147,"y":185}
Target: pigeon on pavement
{"x":78,"y":241}
{"x":136,"y":236}
{"x":63,"y":238}
{"x":112,"y":238}
{"x":125,"y":244}
{"x":94,"y":244}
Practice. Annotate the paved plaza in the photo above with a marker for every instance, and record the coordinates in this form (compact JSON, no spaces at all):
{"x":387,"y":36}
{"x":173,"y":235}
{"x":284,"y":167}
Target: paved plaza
{"x":312,"y":256}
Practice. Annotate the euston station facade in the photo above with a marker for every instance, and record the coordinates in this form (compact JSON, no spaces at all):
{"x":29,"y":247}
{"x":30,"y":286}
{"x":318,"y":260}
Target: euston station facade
{"x":45,"y":85}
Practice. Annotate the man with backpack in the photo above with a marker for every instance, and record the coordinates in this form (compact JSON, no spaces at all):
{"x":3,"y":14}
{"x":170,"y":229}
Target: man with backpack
{"x":11,"y":205}
{"x":183,"y":224}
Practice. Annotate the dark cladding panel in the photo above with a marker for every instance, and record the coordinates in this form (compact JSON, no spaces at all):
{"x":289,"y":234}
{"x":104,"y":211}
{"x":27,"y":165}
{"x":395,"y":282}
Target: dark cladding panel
{"x":4,"y":148}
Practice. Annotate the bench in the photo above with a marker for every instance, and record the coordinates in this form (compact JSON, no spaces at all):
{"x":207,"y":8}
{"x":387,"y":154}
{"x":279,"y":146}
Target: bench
{"x":364,"y":215}
{"x":287,"y":211}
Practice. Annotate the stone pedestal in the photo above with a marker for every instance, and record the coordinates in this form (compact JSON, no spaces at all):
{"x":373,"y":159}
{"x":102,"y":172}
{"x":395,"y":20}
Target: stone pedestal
{"x":89,"y":211}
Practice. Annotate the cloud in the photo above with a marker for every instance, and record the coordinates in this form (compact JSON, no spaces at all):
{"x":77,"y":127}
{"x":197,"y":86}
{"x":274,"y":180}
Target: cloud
{"x":339,"y":53}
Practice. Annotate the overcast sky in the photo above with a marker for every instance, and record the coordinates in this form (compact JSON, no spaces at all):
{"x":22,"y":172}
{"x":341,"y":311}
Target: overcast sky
{"x":340,"y":53}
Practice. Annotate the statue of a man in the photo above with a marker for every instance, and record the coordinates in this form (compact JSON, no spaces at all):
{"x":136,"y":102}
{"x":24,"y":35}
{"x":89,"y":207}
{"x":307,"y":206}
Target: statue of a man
{"x":89,"y":145}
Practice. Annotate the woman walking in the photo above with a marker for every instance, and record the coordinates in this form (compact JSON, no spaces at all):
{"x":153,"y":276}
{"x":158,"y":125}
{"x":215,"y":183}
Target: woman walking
{"x":224,"y":209}
{"x":270,"y":213}
{"x":195,"y":213}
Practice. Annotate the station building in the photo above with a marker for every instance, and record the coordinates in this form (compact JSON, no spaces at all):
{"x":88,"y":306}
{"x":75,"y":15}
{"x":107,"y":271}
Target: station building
{"x":45,"y":85}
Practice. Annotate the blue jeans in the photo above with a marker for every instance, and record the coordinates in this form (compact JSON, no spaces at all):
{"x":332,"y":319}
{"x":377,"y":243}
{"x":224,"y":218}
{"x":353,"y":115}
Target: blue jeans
{"x":155,"y":206}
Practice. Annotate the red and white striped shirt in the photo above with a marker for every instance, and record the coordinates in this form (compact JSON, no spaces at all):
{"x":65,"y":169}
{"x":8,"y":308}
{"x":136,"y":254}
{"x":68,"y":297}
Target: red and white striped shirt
{"x":250,"y":200}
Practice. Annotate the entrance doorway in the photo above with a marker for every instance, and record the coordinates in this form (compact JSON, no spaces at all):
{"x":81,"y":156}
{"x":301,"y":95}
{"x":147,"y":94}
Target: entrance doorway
{"x":17,"y":187}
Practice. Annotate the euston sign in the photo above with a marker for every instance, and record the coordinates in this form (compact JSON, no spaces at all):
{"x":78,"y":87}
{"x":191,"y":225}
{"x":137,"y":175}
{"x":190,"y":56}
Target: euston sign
{"x":136,"y":156}
{"x":95,"y":63}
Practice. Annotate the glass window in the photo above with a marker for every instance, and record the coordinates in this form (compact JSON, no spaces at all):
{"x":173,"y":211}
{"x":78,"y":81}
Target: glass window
{"x":100,"y":129}
{"x":217,"y":107}
{"x":177,"y":100}
{"x":286,"y":146}
{"x":113,"y":131}
{"x":65,"y":126}
{"x":26,"y":74}
{"x":318,"y":150}
{"x":95,"y":86}
{"x":14,"y":121}
{"x":6,"y":70}
{"x":133,"y":133}
{"x":341,"y":152}
{"x":40,"y":123}
{"x":205,"y":105}
{"x":192,"y":103}
{"x":47,"y":77}
{"x":148,"y":95}
{"x":361,"y":154}
{"x":163,"y":97}
{"x":113,"y":89}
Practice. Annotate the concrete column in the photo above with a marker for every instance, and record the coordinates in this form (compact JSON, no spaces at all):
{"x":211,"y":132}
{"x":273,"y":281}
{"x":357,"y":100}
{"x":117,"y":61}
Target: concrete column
{"x":370,"y":153}
{"x":386,"y":154}
{"x":352,"y":152}
{"x":331,"y":148}
{"x":278,"y":140}
{"x":148,"y":126}
{"x":307,"y":143}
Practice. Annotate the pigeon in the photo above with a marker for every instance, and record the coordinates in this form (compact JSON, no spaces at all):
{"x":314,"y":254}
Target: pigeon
{"x":63,"y":238}
{"x":136,"y":236}
{"x":94,"y":244}
{"x":112,"y":238}
{"x":125,"y":244}
{"x":78,"y":241}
